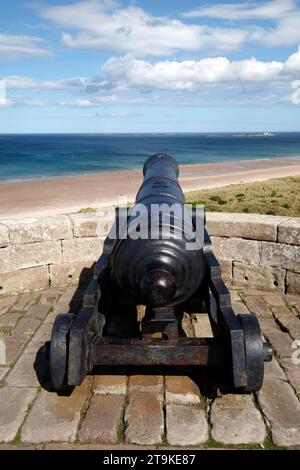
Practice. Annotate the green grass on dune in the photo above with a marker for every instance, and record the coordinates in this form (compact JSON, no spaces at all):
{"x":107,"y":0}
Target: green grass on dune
{"x":280,"y":196}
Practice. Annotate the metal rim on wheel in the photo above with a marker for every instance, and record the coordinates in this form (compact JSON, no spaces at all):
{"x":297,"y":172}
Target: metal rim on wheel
{"x":59,"y":351}
{"x":254,"y":352}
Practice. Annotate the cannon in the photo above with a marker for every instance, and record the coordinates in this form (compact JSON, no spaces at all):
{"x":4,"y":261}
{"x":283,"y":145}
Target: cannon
{"x":158,"y":255}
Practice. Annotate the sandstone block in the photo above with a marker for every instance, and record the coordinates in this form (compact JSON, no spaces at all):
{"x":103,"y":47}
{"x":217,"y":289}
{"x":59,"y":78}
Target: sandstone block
{"x":293,"y":283}
{"x":250,"y":226}
{"x":236,"y":249}
{"x":91,"y":224}
{"x":289,"y":231}
{"x":81,"y":249}
{"x":280,"y":255}
{"x":39,"y":229}
{"x":70,"y":273}
{"x":226,"y":271}
{"x":4,"y":238}
{"x":17,"y":257}
{"x":259,"y":277}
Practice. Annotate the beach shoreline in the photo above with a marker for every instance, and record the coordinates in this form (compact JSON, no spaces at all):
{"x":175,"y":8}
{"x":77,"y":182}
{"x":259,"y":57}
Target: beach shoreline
{"x":70,"y":193}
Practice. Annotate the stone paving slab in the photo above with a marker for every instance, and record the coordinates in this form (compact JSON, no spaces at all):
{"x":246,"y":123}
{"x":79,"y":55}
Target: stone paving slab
{"x":15,"y":344}
{"x":142,"y":411}
{"x":14,"y":405}
{"x":9,"y":320}
{"x":181,"y":390}
{"x":104,"y":384}
{"x":186,"y":425}
{"x":7,"y":303}
{"x":147,"y":384}
{"x":25,"y":301}
{"x":54,"y":417}
{"x":27,"y":326}
{"x":144,"y":419}
{"x":103,"y":420}
{"x":292,"y":372}
{"x":282,"y":409}
{"x":27,"y":372}
{"x":3,"y":372}
{"x":236,"y":420}
{"x":274,"y":371}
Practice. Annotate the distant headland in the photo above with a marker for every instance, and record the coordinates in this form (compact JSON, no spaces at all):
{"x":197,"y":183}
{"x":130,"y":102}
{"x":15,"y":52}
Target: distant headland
{"x":261,"y":134}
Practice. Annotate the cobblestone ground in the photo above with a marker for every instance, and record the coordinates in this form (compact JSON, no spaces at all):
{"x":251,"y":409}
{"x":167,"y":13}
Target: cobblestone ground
{"x":120,"y":411}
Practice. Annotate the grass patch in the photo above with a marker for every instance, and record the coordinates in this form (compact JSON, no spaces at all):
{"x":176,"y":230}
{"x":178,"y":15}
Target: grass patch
{"x":279,"y":196}
{"x":121,"y":432}
{"x":85,"y":210}
{"x":6,"y":330}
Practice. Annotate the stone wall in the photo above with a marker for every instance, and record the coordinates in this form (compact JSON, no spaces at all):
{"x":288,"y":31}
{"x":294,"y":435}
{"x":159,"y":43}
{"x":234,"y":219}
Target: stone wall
{"x":255,"y":251}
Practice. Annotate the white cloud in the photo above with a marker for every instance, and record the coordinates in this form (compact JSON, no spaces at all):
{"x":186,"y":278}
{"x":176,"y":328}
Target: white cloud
{"x":293,"y":62}
{"x":21,"y":101}
{"x":104,"y":26}
{"x":21,"y":46}
{"x":73,"y":85}
{"x":285,"y":14}
{"x":190,"y":74}
{"x":135,"y":81}
{"x":274,"y":9}
{"x":286,"y":33}
{"x":87,"y":103}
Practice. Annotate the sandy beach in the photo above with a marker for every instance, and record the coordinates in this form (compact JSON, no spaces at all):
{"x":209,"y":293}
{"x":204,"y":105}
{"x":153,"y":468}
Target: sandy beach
{"x":72,"y":193}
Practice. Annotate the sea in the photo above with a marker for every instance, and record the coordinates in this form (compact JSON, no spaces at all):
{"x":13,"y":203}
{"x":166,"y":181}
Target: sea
{"x":24,"y":157}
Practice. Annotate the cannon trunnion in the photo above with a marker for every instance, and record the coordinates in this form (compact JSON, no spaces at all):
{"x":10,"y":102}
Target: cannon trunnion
{"x":158,"y":254}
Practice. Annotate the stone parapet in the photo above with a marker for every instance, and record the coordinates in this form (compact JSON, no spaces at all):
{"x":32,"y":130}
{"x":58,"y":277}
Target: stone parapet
{"x":255,"y":251}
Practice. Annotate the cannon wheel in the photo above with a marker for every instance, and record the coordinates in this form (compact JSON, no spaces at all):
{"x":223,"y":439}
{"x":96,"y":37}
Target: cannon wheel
{"x":59,"y":351}
{"x":254,"y":353}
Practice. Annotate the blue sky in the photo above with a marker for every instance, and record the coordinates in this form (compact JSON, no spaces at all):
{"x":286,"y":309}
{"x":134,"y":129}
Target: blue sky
{"x":149,"y":66}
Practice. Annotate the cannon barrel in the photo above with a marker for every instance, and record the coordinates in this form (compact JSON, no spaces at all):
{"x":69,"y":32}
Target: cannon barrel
{"x":156,"y":268}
